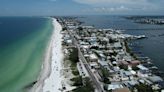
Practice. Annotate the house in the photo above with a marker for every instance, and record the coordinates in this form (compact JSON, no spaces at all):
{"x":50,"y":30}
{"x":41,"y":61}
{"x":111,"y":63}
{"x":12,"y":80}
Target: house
{"x":141,"y":67}
{"x":124,"y":64}
{"x":129,"y":74}
{"x":134,"y":63}
{"x":94,"y":65}
{"x":155,"y":79}
{"x":93,"y":58}
{"x":117,"y":45}
{"x":114,"y":86}
{"x":148,"y":82}
{"x":143,"y":71}
{"x":127,"y":58}
{"x":121,"y":90}
{"x":126,"y":75}
{"x":133,"y":72}
{"x":132,"y":83}
{"x":103,"y":63}
{"x":69,"y":42}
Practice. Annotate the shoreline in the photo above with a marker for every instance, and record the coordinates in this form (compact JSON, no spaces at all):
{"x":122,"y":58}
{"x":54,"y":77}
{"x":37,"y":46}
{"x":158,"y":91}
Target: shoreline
{"x":53,"y":82}
{"x":47,"y":70}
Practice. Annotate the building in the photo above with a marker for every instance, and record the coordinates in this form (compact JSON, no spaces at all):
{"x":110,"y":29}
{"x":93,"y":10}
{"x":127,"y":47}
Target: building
{"x":155,"y":79}
{"x":134,"y":63}
{"x":122,"y":90}
{"x":114,"y":86}
{"x":93,"y":58}
{"x":94,"y":65}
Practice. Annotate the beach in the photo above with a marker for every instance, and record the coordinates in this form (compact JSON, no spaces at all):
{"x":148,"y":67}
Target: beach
{"x":53,"y":82}
{"x":50,"y":76}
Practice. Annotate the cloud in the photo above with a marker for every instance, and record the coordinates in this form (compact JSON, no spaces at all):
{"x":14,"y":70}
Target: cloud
{"x":112,"y":6}
{"x":111,"y":9}
{"x":101,"y":2}
{"x":108,"y":9}
{"x":127,"y":3}
{"x":53,"y":0}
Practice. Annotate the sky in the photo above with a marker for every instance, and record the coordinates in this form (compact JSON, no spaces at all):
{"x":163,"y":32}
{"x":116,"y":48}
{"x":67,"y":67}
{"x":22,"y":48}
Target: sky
{"x":80,"y":7}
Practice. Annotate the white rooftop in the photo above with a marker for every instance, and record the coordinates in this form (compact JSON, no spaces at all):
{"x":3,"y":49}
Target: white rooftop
{"x":114,"y":86}
{"x":142,"y":67}
{"x":93,"y":56}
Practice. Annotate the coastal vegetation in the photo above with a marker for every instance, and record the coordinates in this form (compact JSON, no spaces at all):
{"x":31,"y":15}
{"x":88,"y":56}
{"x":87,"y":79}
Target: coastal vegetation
{"x":81,"y":84}
{"x":129,"y":50}
{"x":77,"y":81}
{"x":80,"y":28}
{"x":87,"y":86}
{"x":143,"y":88}
{"x":73,"y":57}
{"x":64,"y":28}
{"x":105,"y":75}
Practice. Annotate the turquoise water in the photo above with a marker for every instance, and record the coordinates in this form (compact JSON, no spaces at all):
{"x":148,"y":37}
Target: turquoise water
{"x":23,"y":42}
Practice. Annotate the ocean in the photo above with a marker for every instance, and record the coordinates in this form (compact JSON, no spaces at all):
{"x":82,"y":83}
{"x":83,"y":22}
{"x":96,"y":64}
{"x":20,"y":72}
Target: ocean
{"x":152,"y":47}
{"x":23,"y":42}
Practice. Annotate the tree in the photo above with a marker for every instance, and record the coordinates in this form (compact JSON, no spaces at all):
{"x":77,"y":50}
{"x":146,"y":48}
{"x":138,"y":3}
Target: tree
{"x":87,"y":87}
{"x":105,"y":75}
{"x":80,"y":28}
{"x":143,"y":88}
{"x":64,"y":28}
{"x":74,"y":56}
{"x":77,"y":81}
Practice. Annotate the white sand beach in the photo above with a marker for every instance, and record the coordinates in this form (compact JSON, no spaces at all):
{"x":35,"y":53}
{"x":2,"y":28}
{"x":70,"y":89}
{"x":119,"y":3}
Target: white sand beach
{"x":50,"y":79}
{"x":53,"y":82}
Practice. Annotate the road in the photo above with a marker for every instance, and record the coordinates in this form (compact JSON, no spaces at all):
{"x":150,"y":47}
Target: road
{"x":86,"y":65}
{"x":98,"y":86}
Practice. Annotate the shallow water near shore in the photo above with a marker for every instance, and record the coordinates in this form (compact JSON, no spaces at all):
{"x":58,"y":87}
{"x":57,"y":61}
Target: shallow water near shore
{"x":23,"y":42}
